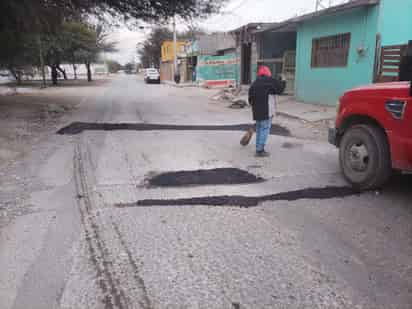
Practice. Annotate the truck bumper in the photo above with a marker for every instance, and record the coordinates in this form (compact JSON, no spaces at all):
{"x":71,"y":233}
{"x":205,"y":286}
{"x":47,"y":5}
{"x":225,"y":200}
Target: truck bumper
{"x":333,"y":136}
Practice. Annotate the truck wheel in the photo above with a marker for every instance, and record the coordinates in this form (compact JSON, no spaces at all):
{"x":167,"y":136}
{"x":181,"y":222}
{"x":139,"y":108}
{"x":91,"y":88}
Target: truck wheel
{"x":365,"y":157}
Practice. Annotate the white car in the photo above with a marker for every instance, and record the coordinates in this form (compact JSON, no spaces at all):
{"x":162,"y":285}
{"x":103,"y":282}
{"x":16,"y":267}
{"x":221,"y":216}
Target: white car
{"x":151,"y":75}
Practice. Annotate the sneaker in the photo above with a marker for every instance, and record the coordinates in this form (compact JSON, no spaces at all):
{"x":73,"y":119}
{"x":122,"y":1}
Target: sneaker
{"x":262,"y":154}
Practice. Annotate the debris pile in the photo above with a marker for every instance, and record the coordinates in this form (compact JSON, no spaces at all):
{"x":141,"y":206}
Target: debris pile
{"x":236,"y":96}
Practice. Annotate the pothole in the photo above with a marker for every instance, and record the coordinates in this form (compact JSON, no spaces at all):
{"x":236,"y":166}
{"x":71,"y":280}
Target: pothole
{"x":79,"y":127}
{"x":218,"y":176}
{"x":250,"y":201}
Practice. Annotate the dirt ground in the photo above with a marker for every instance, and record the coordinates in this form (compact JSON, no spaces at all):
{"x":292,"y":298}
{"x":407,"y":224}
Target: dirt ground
{"x":26,"y":117}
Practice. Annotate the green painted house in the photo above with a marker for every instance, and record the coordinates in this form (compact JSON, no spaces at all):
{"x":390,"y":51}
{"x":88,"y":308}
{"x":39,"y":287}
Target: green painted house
{"x":337,"y":48}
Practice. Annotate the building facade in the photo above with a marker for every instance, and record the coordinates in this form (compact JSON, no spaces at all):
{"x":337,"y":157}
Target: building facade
{"x":213,"y":60}
{"x":335,"y":53}
{"x":168,"y":50}
{"x":167,"y":58}
{"x":325,"y":53}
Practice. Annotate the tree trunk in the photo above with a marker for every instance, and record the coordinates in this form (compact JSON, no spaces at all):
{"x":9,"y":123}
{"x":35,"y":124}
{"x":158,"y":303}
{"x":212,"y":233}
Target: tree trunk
{"x":54,"y":74}
{"x":62,"y":71}
{"x":16,"y":75}
{"x":41,"y":58}
{"x":89,"y":72}
{"x":75,"y":70}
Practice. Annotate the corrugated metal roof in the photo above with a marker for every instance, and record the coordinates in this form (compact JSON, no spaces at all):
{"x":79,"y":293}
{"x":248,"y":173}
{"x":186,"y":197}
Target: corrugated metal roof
{"x":252,"y":27}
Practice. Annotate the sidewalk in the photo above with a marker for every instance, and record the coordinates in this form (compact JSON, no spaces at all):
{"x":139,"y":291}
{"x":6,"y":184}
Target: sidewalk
{"x":289,"y":107}
{"x":180,"y":85}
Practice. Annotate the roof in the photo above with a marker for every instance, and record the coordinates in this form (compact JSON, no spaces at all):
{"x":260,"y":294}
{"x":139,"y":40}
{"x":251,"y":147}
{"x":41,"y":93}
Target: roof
{"x":254,"y":27}
{"x":292,"y":23}
{"x":210,"y":44}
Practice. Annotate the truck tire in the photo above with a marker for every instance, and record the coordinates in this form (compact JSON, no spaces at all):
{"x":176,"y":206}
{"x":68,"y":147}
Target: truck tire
{"x":365,"y":157}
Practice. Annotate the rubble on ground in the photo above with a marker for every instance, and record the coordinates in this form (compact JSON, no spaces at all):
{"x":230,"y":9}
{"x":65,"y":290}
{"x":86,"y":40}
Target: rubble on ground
{"x":236,"y":96}
{"x":238,"y":104}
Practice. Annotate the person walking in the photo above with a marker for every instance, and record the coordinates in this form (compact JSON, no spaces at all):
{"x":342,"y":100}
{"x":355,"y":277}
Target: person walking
{"x":262,"y":99}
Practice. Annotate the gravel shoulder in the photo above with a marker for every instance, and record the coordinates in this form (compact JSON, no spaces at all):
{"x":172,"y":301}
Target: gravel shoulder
{"x":28,"y":121}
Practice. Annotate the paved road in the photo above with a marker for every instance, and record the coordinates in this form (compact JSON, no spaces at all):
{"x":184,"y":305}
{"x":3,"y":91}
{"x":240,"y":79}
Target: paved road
{"x":85,"y":240}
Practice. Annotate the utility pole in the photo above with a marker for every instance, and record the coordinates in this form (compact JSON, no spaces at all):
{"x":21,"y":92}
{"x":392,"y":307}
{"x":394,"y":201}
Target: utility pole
{"x":176,"y":74}
{"x":41,"y":58}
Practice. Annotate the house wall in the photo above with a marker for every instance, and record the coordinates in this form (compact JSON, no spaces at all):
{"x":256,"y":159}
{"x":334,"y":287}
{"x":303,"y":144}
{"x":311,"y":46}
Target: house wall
{"x":167,"y":49}
{"x":239,"y":66}
{"x":274,"y":44}
{"x":217,"y":70}
{"x":166,"y":70}
{"x":254,"y":61}
{"x":211,"y":44}
{"x":326,"y":85}
{"x":395,"y":21}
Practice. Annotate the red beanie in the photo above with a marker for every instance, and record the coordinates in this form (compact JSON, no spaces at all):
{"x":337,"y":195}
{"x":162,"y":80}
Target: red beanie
{"x":264,"y":71}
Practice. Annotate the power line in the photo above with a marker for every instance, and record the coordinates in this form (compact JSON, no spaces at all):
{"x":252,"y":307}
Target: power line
{"x":242,"y":3}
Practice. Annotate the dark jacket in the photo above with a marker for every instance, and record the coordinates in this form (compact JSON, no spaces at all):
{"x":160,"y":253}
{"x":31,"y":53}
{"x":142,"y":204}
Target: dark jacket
{"x":259,"y":93}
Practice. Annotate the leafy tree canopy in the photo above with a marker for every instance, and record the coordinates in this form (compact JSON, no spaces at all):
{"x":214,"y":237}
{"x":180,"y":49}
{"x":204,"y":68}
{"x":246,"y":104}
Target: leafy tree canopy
{"x":44,"y":14}
{"x":150,"y":50}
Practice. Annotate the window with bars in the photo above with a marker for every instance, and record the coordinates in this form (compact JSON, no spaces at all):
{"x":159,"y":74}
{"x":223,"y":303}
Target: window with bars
{"x":331,"y":51}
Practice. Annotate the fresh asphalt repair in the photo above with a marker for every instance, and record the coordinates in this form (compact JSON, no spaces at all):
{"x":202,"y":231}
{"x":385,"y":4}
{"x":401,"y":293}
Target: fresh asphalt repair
{"x":217,"y":176}
{"x":249,"y":201}
{"x":79,"y":127}
{"x":209,"y":177}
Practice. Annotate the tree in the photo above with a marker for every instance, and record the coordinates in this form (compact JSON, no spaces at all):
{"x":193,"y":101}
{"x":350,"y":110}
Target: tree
{"x":32,"y":15}
{"x":32,"y":30}
{"x":97,"y":43}
{"x":113,"y":66}
{"x":150,"y":50}
{"x":17,"y":52}
{"x":76,"y":42}
{"x":129,"y":67}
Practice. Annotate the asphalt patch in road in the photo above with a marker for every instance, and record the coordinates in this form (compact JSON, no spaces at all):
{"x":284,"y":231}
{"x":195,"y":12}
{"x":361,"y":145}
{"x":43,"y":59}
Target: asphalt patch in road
{"x":249,"y":201}
{"x":289,"y":145}
{"x":218,"y":176}
{"x":79,"y":127}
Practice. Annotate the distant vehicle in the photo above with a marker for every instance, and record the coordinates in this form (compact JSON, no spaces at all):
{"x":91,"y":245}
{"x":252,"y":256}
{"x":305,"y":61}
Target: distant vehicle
{"x":151,"y":75}
{"x":4,"y":73}
{"x":373,"y":131}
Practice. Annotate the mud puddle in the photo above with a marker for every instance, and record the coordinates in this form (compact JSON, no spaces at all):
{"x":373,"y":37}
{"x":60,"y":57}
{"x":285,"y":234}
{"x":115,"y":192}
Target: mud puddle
{"x":79,"y":127}
{"x":249,"y":201}
{"x":218,"y":176}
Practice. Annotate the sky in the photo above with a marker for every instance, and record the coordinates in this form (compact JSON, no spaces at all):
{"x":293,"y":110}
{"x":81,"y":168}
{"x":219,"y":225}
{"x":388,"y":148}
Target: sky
{"x":236,"y":13}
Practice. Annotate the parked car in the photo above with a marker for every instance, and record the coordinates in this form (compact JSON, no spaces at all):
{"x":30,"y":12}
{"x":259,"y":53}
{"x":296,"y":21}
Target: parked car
{"x":151,"y":75}
{"x":373,"y":131}
{"x":4,"y":73}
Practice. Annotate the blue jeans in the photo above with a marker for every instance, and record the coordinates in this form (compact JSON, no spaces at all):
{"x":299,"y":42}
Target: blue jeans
{"x":262,"y":133}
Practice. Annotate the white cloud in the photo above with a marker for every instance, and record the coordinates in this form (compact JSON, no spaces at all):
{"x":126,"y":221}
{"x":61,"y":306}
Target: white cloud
{"x":239,"y":12}
{"x":126,"y":44}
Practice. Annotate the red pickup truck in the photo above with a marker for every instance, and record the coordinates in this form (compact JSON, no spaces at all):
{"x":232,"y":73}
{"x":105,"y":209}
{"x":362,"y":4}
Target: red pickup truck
{"x":373,"y":131}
